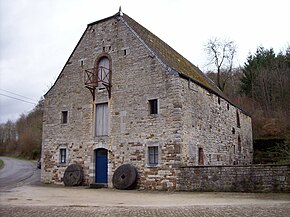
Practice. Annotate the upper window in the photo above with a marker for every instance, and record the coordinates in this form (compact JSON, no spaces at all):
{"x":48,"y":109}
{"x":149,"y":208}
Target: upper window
{"x":64,"y":117}
{"x":103,"y":71}
{"x":101,"y":119}
{"x":153,"y":106}
{"x":153,"y":155}
{"x":62,"y":153}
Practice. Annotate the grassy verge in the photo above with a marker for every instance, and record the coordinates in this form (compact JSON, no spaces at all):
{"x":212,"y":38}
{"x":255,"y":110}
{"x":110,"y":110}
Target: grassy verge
{"x":1,"y":164}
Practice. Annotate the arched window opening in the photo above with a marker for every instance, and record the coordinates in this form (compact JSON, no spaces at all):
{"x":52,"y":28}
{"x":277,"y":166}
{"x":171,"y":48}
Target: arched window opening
{"x":99,"y":77}
{"x":103,"y":72}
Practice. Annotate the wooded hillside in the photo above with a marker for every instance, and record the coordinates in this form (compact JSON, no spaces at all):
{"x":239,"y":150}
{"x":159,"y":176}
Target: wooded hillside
{"x":23,"y":137}
{"x":262,"y":88}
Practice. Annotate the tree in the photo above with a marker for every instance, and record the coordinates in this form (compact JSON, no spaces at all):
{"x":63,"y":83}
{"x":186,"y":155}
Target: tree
{"x":8,"y":137}
{"x":29,"y":128}
{"x":24,"y":137}
{"x":232,"y":87}
{"x":266,"y":81}
{"x":266,"y":78}
{"x":221,"y":54}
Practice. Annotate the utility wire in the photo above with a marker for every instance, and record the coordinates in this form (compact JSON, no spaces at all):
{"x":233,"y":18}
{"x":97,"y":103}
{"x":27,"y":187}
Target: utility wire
{"x":18,"y":95}
{"x":17,"y":99}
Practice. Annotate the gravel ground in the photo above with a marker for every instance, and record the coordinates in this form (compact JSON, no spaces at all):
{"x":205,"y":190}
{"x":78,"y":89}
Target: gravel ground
{"x":81,"y":201}
{"x":281,"y":210}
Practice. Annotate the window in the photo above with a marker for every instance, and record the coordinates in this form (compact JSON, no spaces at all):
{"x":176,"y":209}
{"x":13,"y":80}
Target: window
{"x":62,"y":152}
{"x":64,"y":117}
{"x":238,"y":119}
{"x":153,"y":155}
{"x":153,"y":106}
{"x":239,"y":144}
{"x":209,"y":158}
{"x":200,"y":156}
{"x":101,"y":119}
{"x":233,"y":130}
{"x":103,"y":71}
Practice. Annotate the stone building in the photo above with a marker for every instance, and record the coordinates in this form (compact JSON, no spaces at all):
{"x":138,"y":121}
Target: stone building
{"x":125,"y":96}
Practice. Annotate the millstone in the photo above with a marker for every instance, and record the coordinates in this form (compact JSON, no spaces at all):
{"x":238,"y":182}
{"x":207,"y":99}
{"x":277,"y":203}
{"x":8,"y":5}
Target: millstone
{"x":125,"y":177}
{"x":73,"y":175}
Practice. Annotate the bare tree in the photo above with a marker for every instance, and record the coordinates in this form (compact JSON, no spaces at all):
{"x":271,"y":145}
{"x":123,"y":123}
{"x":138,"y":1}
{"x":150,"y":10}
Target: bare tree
{"x":221,"y":54}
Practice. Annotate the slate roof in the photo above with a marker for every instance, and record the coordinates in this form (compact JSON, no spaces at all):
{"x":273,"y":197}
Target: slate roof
{"x":172,"y":58}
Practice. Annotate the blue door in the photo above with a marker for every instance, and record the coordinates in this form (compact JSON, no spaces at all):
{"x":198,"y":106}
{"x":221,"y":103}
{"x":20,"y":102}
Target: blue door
{"x":101,"y":166}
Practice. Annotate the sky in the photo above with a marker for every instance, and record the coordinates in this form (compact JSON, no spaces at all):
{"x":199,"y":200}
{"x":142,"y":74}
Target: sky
{"x":38,"y":36}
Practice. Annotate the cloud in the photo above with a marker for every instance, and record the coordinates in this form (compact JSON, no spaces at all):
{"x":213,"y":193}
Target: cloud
{"x":37,"y":37}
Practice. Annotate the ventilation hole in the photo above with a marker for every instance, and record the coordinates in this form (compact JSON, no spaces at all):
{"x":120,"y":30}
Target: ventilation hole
{"x":123,"y":176}
{"x":125,"y":52}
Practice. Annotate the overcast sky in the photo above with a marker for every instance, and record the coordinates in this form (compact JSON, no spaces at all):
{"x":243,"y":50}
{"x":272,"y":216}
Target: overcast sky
{"x":38,"y":36}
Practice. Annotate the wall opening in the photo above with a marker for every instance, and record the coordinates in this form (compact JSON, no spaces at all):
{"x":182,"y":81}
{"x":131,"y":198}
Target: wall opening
{"x":238,"y":119}
{"x":64,"y":117}
{"x":200,"y":156}
{"x":153,"y":106}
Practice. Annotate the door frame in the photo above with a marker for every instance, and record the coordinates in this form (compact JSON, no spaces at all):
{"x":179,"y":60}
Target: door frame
{"x":105,"y":166}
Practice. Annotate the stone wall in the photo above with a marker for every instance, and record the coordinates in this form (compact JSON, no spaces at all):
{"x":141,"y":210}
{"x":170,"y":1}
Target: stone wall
{"x":254,"y":178}
{"x":222,"y":130}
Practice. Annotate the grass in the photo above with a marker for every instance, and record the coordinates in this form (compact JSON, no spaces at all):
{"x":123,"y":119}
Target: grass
{"x":1,"y":164}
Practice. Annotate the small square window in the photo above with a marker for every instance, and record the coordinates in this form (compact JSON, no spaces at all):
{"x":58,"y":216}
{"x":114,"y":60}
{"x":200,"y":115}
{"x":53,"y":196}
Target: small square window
{"x":153,"y":155}
{"x":64,"y":117}
{"x":62,"y":153}
{"x":153,"y":106}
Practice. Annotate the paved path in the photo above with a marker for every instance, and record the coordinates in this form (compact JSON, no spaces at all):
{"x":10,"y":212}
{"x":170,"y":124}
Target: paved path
{"x":17,"y":173}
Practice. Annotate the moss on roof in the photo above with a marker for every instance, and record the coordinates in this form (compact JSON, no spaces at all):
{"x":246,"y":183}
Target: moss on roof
{"x":172,"y":58}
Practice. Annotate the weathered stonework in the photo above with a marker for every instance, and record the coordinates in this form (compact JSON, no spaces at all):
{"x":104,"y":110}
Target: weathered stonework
{"x":251,"y":178}
{"x":191,"y":117}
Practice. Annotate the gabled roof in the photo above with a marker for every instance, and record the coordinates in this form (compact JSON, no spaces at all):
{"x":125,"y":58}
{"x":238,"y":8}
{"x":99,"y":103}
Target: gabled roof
{"x":172,"y":58}
{"x":167,"y":55}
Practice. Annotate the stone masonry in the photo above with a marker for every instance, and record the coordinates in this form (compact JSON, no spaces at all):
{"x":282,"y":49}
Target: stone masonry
{"x":242,"y":178}
{"x":195,"y":123}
